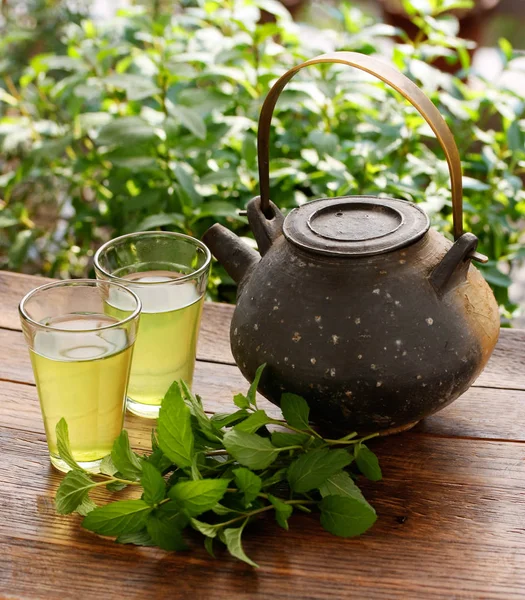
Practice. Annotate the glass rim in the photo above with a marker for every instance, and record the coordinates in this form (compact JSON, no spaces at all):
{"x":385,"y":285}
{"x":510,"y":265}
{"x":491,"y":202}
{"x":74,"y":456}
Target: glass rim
{"x":72,"y":283}
{"x":202,"y":269}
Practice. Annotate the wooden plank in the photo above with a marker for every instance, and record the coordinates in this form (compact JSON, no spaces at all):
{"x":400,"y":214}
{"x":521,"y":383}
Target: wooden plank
{"x":214,"y":334}
{"x":504,"y":370}
{"x":480,"y":413}
{"x":453,"y":528}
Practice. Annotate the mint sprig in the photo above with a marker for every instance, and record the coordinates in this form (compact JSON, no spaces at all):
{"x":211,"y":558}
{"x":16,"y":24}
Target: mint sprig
{"x":216,"y":474}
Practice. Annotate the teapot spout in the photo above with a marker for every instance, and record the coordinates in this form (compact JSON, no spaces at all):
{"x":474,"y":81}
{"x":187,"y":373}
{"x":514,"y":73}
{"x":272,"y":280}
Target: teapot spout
{"x":234,"y":255}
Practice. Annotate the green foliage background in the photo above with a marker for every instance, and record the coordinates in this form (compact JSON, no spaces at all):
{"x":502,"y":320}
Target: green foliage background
{"x":149,"y":121}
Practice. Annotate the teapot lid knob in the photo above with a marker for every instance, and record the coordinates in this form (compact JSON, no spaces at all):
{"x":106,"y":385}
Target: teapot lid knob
{"x":355,"y":225}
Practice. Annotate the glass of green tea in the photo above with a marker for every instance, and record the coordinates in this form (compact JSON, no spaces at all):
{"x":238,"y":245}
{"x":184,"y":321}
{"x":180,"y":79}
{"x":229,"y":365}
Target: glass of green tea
{"x":81,"y":356}
{"x":169,"y":273}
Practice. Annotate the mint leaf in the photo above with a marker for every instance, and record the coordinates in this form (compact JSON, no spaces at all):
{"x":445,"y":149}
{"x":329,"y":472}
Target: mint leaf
{"x":125,"y":516}
{"x":367,"y":462}
{"x":159,"y":460}
{"x":283,"y":511}
{"x":312,"y":469}
{"x":166,"y":534}
{"x":116,"y":486}
{"x":277,"y":477}
{"x":241,"y":401}
{"x":295,"y":410}
{"x":153,"y":484}
{"x":345,"y":516}
{"x":208,"y":544}
{"x":72,"y":491}
{"x":174,"y":428}
{"x":249,"y":483}
{"x":221,"y":510}
{"x":204,"y":528}
{"x":252,"y":392}
{"x":124,"y":459}
{"x":206,"y":426}
{"x":85,"y":507}
{"x":281,"y":439}
{"x":197,"y":497}
{"x":254,"y":422}
{"x":232,"y":538}
{"x":107,"y":467}
{"x":141,"y":538}
{"x":225,"y":420}
{"x":341,"y":484}
{"x":171,"y":511}
{"x":64,"y":446}
{"x":250,"y":449}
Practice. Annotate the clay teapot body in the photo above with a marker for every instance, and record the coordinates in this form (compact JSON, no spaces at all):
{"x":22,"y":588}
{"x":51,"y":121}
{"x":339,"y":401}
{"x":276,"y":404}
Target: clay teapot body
{"x":354,"y":303}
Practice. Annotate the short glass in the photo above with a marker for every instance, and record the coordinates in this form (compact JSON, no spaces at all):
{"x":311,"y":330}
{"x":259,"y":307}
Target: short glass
{"x":81,"y":357}
{"x":169,"y":273}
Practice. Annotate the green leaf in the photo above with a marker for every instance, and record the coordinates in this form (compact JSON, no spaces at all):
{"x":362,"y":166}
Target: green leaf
{"x":345,"y":516}
{"x":107,"y":467}
{"x":85,"y":507}
{"x":206,"y":426}
{"x":282,"y":439}
{"x":116,"y":518}
{"x":153,"y":484}
{"x":166,"y":534}
{"x":137,"y":87}
{"x":367,"y":463}
{"x":226,"y":419}
{"x":123,"y":457}
{"x":250,"y":449}
{"x":124,"y":131}
{"x":208,"y":544}
{"x":197,"y":497}
{"x":18,"y":250}
{"x":341,"y":484}
{"x":232,"y":539}
{"x":72,"y":491}
{"x":277,"y":477}
{"x":174,"y":428}
{"x":254,"y":422}
{"x":159,"y":460}
{"x":171,"y":511}
{"x":252,"y":392}
{"x":312,"y":469}
{"x":205,"y":528}
{"x":295,"y":410}
{"x":160,"y":220}
{"x":249,"y":483}
{"x":64,"y":446}
{"x":189,"y":118}
{"x":283,"y":511}
{"x":141,"y":538}
{"x":116,"y":486}
{"x":239,"y":400}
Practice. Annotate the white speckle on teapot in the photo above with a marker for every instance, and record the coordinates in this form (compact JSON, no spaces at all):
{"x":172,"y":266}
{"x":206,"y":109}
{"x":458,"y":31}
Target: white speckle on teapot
{"x":404,"y":353}
{"x":402,"y":261}
{"x":430,"y":321}
{"x":373,"y":367}
{"x":275,"y":308}
{"x":376,"y":291}
{"x":399,"y":343}
{"x":313,"y":361}
{"x":317,"y":319}
{"x":382,"y":272}
{"x":256,"y":327}
{"x":359,"y":356}
{"x":357,"y":321}
{"x":332,"y":372}
{"x":257,"y":349}
{"x":379,"y":384}
{"x":296,"y":337}
{"x":348,"y":394}
{"x":423,"y":385}
{"x":335,"y":339}
{"x":235,"y":331}
{"x":397,"y":303}
{"x":419,"y":377}
{"x":286,"y":359}
{"x":328,"y":298}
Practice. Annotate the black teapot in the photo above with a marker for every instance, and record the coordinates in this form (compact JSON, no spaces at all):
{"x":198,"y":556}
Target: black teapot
{"x":354,"y":302}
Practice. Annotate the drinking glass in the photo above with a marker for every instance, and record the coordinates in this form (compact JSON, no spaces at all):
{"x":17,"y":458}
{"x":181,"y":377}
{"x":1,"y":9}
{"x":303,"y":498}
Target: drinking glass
{"x":81,"y":357}
{"x":169,"y":273}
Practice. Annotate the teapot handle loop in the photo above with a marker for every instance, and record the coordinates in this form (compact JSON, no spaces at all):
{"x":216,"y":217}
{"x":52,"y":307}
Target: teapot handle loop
{"x":393,"y":78}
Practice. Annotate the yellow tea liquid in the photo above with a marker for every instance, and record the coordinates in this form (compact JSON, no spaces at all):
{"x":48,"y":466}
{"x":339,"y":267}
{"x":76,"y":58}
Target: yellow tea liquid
{"x":166,"y":343}
{"x":82,"y":377}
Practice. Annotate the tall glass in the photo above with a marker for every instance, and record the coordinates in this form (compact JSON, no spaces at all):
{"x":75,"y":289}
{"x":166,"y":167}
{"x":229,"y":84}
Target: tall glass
{"x":169,"y":273}
{"x":81,"y":357}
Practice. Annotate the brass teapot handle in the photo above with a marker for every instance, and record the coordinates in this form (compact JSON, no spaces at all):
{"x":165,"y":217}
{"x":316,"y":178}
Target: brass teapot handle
{"x":393,"y":78}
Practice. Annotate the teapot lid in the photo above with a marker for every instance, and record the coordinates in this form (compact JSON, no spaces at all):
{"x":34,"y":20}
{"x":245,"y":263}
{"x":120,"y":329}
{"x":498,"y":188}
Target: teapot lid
{"x":355,"y":225}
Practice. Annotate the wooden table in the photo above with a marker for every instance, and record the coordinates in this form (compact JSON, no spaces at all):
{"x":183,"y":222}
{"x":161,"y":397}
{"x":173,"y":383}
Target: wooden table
{"x":451,"y":506}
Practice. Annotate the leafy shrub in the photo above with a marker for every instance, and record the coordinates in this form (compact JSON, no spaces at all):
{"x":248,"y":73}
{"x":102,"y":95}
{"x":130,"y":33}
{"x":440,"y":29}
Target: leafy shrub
{"x":147,"y":122}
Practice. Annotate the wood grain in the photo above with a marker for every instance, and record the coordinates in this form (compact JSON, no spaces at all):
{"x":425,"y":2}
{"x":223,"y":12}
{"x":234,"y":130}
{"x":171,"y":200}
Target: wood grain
{"x":441,"y":531}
